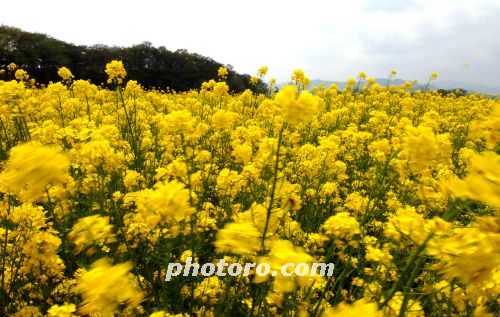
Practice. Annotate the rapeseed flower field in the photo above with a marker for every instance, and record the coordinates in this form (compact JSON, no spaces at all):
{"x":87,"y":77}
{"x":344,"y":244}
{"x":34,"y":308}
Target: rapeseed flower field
{"x":102,"y":188}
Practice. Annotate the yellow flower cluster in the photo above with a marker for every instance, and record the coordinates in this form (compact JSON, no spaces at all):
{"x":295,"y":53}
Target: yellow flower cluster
{"x":106,"y":286}
{"x":300,"y":79}
{"x":478,"y":243}
{"x":296,"y":109}
{"x":425,"y":148}
{"x":222,"y":72}
{"x":91,"y":230}
{"x":31,"y":168}
{"x":483,"y":181}
{"x":65,"y":74}
{"x":239,"y":238}
{"x":342,"y":225}
{"x":101,"y":189}
{"x":358,"y":308}
{"x":116,"y":72}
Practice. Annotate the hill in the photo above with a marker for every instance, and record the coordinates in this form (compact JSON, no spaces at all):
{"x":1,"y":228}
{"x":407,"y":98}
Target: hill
{"x":436,"y":85}
{"x":41,"y":55}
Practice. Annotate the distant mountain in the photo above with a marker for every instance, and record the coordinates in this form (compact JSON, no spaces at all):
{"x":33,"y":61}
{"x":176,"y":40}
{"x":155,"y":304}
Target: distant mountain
{"x":447,"y":85}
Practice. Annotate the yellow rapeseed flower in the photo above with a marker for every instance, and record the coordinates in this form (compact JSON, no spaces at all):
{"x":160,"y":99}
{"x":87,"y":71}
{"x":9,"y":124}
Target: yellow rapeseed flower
{"x":472,"y":254}
{"x":358,"y":308}
{"x":238,"y":238}
{"x":11,"y":67}
{"x":222,"y":72}
{"x":283,"y":252}
{"x":167,"y":202}
{"x":425,"y":148}
{"x":65,"y":310}
{"x":65,"y":74}
{"x":31,"y":168}
{"x":342,"y":225}
{"x":116,"y":71}
{"x":296,"y":109}
{"x":91,"y":230}
{"x":104,"y":287}
{"x":21,"y":75}
{"x":262,"y":71}
{"x":482,"y":182}
{"x":300,"y":78}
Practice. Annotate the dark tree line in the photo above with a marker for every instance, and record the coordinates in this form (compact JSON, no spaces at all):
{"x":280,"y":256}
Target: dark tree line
{"x":41,"y":56}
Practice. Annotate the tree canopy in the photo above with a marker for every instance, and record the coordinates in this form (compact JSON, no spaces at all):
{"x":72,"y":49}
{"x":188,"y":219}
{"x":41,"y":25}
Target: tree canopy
{"x":41,"y":55}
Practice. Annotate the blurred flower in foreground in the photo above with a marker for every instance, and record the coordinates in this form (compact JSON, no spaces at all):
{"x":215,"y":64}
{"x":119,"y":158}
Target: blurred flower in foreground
{"x":483,"y":181}
{"x":105,"y":287}
{"x":31,"y":167}
{"x":296,"y":109}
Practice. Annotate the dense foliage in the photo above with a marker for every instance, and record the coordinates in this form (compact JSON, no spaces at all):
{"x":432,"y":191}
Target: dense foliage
{"x":41,"y":56}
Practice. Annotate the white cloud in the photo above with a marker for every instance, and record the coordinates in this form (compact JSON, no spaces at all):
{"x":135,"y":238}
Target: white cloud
{"x":328,"y":39}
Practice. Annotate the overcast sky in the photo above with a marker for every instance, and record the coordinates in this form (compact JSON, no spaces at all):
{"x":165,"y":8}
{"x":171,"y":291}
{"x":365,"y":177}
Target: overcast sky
{"x":330,"y":40}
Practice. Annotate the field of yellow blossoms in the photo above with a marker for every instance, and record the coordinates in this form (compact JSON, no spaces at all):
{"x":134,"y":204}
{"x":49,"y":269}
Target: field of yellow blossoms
{"x":102,"y":188}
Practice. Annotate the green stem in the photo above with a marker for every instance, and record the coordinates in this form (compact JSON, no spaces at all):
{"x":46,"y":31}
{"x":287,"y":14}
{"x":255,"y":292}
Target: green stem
{"x":409,"y":266}
{"x":270,"y":207}
{"x":409,"y":281}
